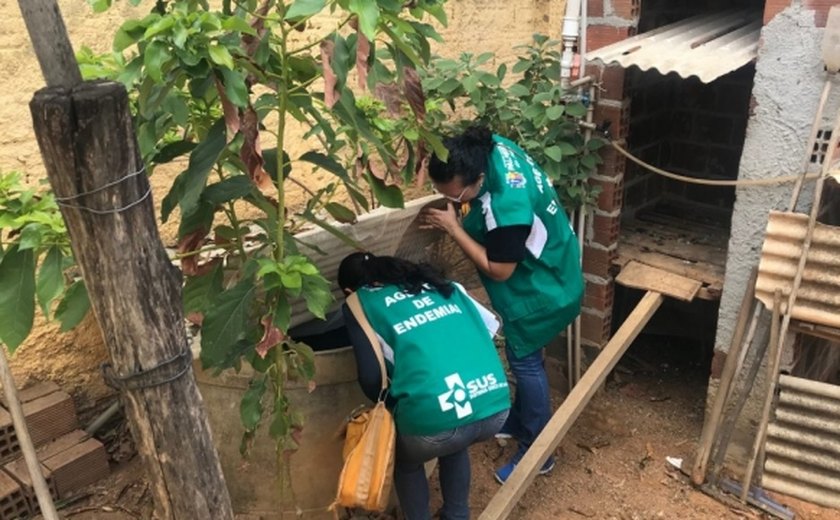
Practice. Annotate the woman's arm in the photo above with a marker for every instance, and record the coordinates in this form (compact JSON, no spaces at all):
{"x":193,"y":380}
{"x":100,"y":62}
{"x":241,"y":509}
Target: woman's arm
{"x":447,"y":220}
{"x":370,"y":374}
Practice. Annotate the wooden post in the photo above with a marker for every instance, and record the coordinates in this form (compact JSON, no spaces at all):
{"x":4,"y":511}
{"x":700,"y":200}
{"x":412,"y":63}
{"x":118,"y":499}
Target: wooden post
{"x":88,"y":145}
{"x":506,"y":498}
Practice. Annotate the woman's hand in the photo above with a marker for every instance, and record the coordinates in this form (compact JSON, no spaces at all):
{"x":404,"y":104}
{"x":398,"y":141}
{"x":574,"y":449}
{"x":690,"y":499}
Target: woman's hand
{"x":442,"y":219}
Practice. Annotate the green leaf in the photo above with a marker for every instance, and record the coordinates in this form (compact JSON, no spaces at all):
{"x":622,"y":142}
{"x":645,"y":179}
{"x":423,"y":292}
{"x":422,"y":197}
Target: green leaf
{"x":368,"y":13}
{"x":576,"y":109}
{"x":316,"y":291}
{"x":388,"y":196}
{"x":237,"y":24}
{"x":555,"y":112}
{"x":307,"y":360}
{"x":220,"y":56}
{"x":304,"y":8}
{"x":595,"y":144}
{"x":229,"y":189}
{"x":155,"y":57}
{"x":280,"y":422}
{"x":567,"y":148}
{"x":50,"y":279}
{"x":250,"y":408}
{"x":173,"y":150}
{"x":341,"y":213}
{"x":17,"y":296}
{"x":30,"y":236}
{"x":162,"y":25}
{"x":199,"y":291}
{"x":128,"y":34}
{"x":235,"y":87}
{"x":437,"y":145}
{"x":282,"y":313}
{"x":73,"y":307}
{"x":202,"y":160}
{"x":327,"y":163}
{"x":226,"y":323}
{"x":554,"y":153}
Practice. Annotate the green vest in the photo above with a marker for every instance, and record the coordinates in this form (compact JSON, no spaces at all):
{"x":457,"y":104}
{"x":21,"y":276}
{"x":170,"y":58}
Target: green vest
{"x":444,"y":368}
{"x":544,"y":293}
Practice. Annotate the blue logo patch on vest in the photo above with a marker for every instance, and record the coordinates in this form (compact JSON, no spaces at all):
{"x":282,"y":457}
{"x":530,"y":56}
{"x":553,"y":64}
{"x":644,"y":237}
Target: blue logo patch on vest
{"x":515,"y":180}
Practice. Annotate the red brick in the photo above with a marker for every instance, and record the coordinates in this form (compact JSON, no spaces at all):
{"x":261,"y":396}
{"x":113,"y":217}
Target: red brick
{"x":598,"y":261}
{"x":598,"y":36}
{"x":774,"y":7}
{"x":599,"y":296}
{"x":595,"y":328}
{"x":595,"y":8}
{"x":610,"y":79}
{"x":614,"y":164}
{"x":821,"y":7}
{"x":619,"y":117}
{"x":610,"y":196}
{"x":627,"y":9}
{"x":605,"y":230}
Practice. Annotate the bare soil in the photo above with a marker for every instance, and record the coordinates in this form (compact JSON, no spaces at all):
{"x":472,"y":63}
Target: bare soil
{"x":610,"y":466}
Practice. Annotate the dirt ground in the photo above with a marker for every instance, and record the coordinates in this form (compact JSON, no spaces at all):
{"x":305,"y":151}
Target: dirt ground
{"x":610,"y":466}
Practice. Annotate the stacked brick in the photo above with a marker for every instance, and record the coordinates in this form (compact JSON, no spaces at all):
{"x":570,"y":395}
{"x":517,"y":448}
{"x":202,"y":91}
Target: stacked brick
{"x":610,"y":21}
{"x":69,"y":459}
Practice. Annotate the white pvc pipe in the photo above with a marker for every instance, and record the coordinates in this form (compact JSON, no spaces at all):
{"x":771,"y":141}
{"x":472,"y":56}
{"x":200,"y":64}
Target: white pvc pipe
{"x":584,"y":22}
{"x":570,"y":34}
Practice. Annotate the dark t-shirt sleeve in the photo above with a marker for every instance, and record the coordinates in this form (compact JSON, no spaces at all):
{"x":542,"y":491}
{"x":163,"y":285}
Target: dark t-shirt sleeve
{"x":370,"y":375}
{"x":507,"y":244}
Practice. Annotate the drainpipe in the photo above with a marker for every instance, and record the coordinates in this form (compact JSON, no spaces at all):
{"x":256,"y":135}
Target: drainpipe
{"x":571,"y":31}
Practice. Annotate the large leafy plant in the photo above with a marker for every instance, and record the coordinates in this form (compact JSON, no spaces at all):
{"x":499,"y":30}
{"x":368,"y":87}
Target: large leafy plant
{"x":36,"y":263}
{"x":222,"y":87}
{"x":526,"y":104}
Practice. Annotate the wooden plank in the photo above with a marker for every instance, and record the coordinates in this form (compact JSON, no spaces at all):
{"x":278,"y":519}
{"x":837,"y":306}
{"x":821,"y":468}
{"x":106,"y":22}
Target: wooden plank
{"x":506,"y":498}
{"x":647,"y":278}
{"x":714,"y":280}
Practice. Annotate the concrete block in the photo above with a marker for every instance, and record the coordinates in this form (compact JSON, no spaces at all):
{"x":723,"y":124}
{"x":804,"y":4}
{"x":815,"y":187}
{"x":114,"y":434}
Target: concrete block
{"x":18,"y":471}
{"x":13,"y":503}
{"x":49,"y":417}
{"x":78,"y":466}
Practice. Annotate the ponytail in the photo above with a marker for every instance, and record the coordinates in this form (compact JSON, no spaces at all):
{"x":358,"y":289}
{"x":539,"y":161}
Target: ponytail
{"x":360,"y":269}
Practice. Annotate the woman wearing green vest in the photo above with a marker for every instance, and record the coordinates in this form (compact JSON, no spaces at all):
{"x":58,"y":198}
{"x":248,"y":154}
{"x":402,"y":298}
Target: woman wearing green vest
{"x":516,"y":233}
{"x":447,"y":386}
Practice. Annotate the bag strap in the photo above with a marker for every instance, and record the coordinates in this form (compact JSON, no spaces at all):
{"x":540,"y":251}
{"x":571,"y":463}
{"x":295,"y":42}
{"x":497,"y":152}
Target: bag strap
{"x":355,"y":307}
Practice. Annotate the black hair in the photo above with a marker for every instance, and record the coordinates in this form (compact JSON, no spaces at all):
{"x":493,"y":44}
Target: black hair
{"x":360,"y":269}
{"x":468,"y":156}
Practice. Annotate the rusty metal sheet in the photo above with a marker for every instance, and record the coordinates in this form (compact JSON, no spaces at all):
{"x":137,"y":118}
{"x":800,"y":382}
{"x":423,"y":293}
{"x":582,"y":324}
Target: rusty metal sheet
{"x":818,"y":299}
{"x":707,"y":46}
{"x":802,"y":447}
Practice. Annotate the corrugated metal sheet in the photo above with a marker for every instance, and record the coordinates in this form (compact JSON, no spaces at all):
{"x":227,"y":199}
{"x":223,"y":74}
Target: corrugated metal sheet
{"x":803,"y":444}
{"x":707,"y":46}
{"x":381,"y":232}
{"x":818,"y":299}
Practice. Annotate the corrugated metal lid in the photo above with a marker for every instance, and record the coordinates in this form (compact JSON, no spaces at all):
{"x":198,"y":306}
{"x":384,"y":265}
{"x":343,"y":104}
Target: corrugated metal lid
{"x":707,"y":46}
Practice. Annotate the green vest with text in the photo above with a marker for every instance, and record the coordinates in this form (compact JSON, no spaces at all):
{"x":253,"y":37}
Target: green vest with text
{"x":444,"y":368}
{"x":543,"y":295}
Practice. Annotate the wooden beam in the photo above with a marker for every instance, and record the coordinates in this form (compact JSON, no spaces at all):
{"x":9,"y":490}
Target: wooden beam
{"x":647,"y":278}
{"x":505,"y":499}
{"x":51,"y":43}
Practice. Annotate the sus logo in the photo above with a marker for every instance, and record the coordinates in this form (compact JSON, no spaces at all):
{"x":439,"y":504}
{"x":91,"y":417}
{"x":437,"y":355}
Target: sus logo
{"x":455,"y":397}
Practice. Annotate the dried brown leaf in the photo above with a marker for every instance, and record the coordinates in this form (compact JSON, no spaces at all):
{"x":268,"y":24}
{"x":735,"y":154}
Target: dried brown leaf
{"x":391,"y":95}
{"x":251,"y":152}
{"x":229,"y":109}
{"x":271,"y":336}
{"x":331,"y":94}
{"x":362,"y":55}
{"x":421,"y":166}
{"x":414,"y":93}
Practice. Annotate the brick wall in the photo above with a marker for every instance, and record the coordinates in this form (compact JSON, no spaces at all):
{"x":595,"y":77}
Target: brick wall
{"x":610,"y":21}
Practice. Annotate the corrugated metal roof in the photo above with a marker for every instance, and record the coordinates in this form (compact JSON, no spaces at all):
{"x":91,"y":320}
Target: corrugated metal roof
{"x":818,"y":298}
{"x":803,"y":448}
{"x":707,"y":46}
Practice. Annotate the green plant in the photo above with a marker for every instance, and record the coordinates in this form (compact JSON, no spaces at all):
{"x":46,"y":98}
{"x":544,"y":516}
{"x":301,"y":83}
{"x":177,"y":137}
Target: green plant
{"x":528,"y":105}
{"x":35,"y":262}
{"x":222,"y":86}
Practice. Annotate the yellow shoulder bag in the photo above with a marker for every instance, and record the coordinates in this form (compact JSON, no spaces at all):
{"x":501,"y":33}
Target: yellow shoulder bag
{"x":367,"y":476}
